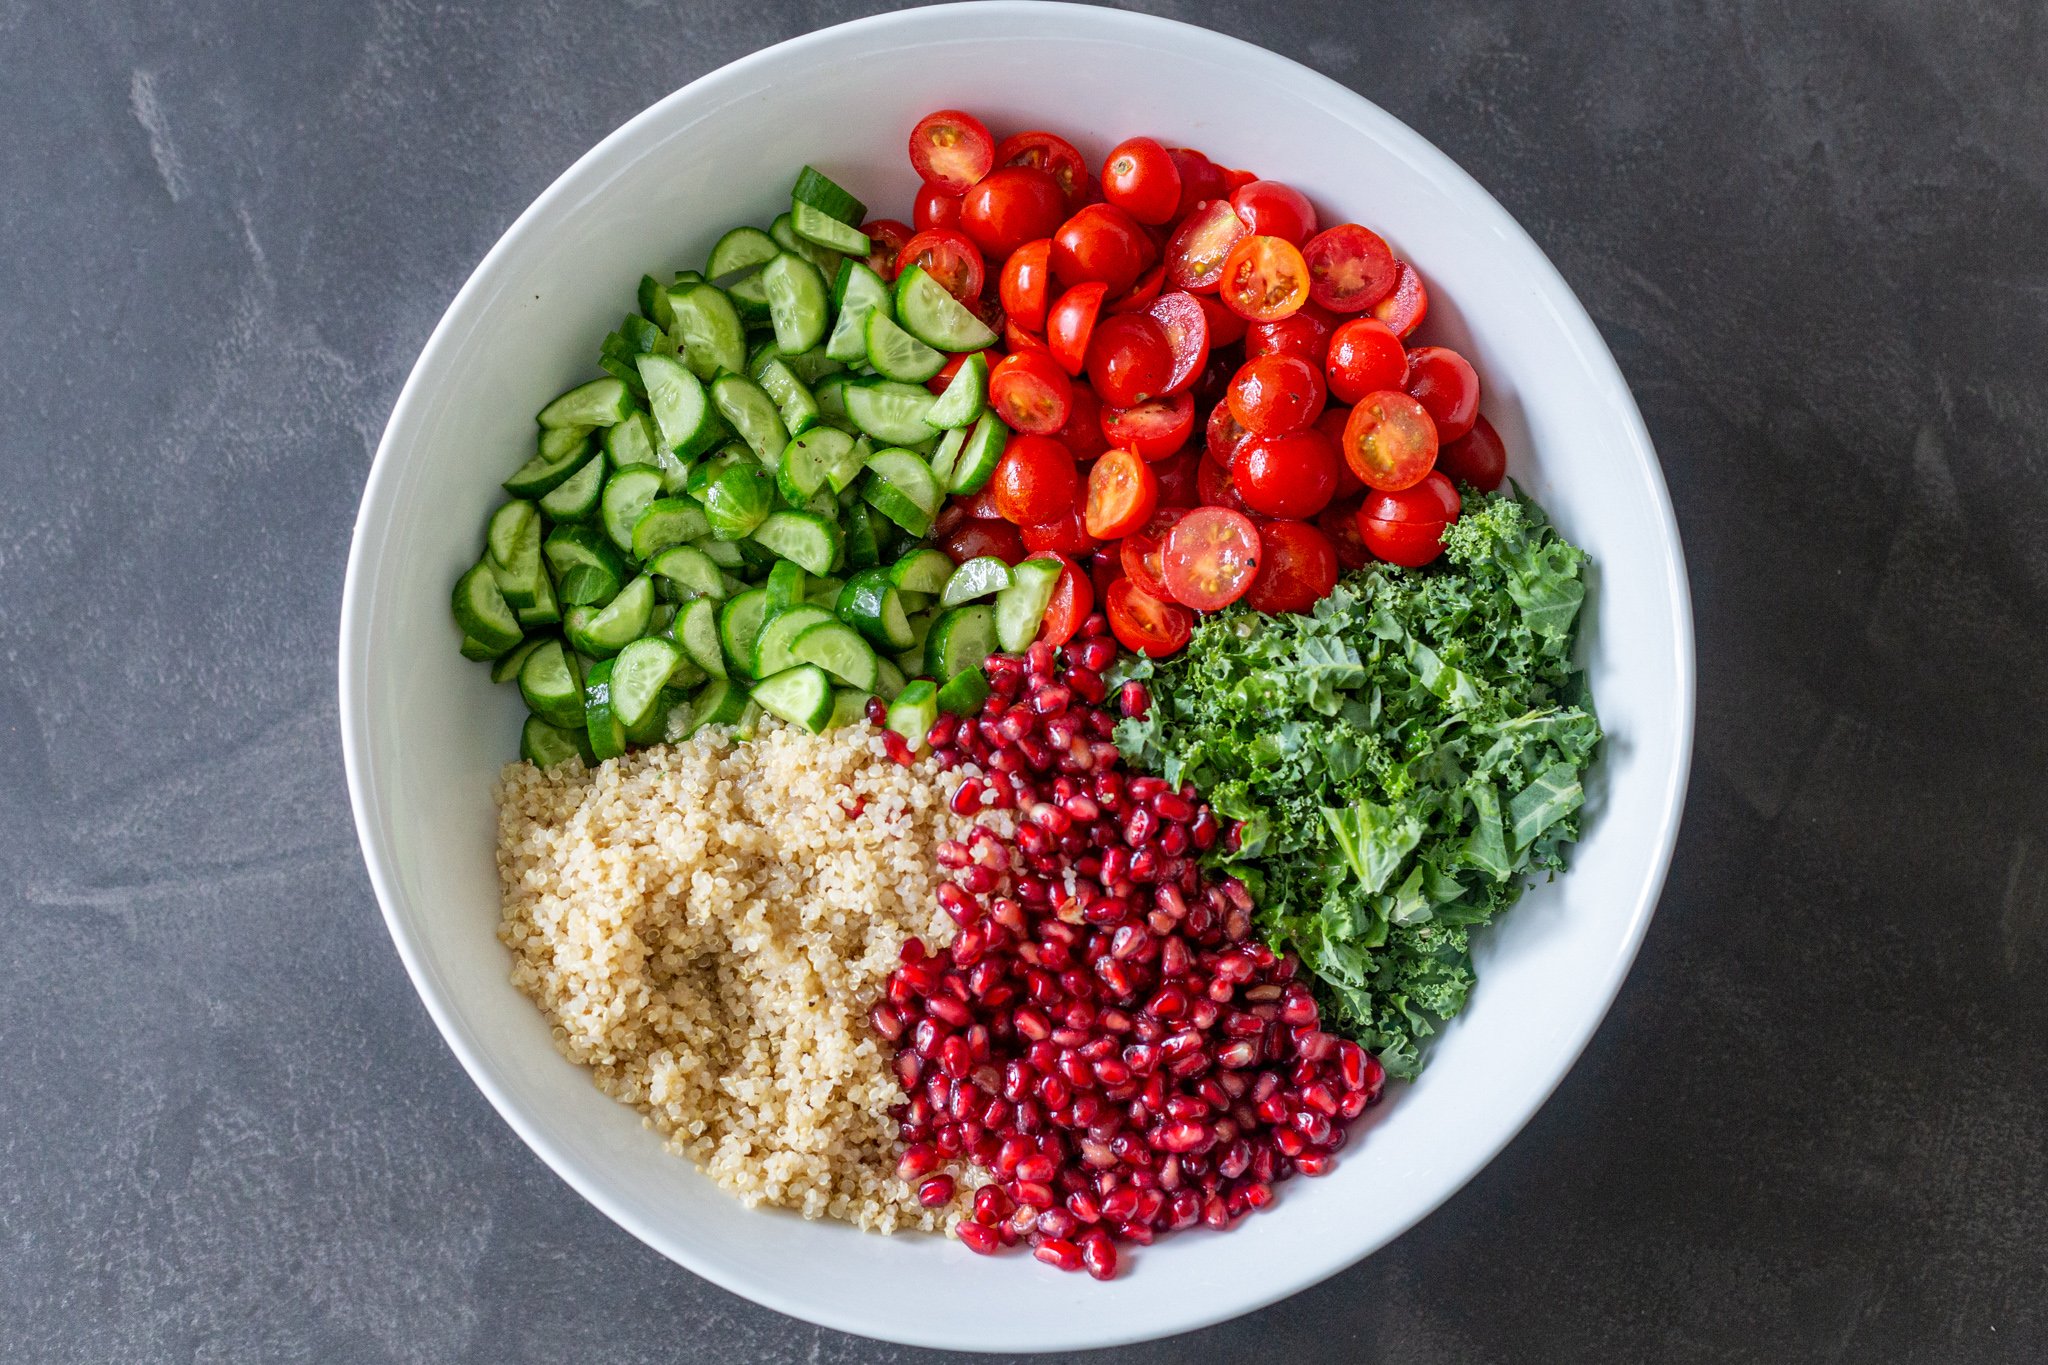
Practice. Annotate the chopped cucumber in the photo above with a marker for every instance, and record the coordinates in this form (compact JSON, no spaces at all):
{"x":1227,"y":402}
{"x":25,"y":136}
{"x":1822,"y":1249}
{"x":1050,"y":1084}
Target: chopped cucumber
{"x":720,"y":703}
{"x":667,"y":522}
{"x":708,"y":328}
{"x":798,"y":302}
{"x":686,"y":572}
{"x":483,"y":613}
{"x":505,"y":668}
{"x":599,"y":403}
{"x":889,"y":680}
{"x":726,"y":554}
{"x":979,"y":456}
{"x":890,"y":412}
{"x":862,"y":549}
{"x":682,"y":410}
{"x":575,"y":498}
{"x":744,"y":248}
{"x":896,"y":354}
{"x":966,"y":395}
{"x":777,"y":380}
{"x":902,"y":488}
{"x":628,"y":494}
{"x":696,"y":630}
{"x":738,"y":500}
{"x":587,"y":569}
{"x":545,"y":610}
{"x":562,"y":451}
{"x":826,"y":231}
{"x":912,"y":713}
{"x":830,"y":393}
{"x":609,"y":629}
{"x":551,"y":686}
{"x":653,"y":301}
{"x":935,"y":317}
{"x":639,"y":674}
{"x":962,"y":637}
{"x":849,"y":707}
{"x":822,"y":590}
{"x":512,"y":549}
{"x":922,"y":571}
{"x":871,"y":604}
{"x":752,"y":413}
{"x":544,"y":744}
{"x":739,"y":625}
{"x":947,"y":454}
{"x":982,"y":576}
{"x":785,"y":585}
{"x":964,"y":692}
{"x":600,"y":722}
{"x":811,"y":540}
{"x":783,"y":230}
{"x":1021,"y":606}
{"x":815,"y":188}
{"x":809,"y":460}
{"x":801,"y":695}
{"x":775,"y":648}
{"x":838,"y":649}
{"x":857,"y":293}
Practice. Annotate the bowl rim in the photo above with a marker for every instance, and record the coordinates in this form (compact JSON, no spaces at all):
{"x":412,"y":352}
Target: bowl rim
{"x":367,"y":805}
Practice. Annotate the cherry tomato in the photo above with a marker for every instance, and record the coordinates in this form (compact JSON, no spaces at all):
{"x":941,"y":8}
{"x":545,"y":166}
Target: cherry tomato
{"x":1101,"y":242}
{"x":1297,"y":570}
{"x":1129,"y":360}
{"x":1143,"y":551}
{"x":973,"y":538}
{"x":1139,"y":296}
{"x":1186,"y":326}
{"x":1025,"y":284}
{"x":1223,"y":435}
{"x":1214,"y":487}
{"x":1350,"y":268}
{"x":1073,"y":598}
{"x":1122,"y":493}
{"x":886,"y":239}
{"x":1083,"y":433}
{"x":1179,"y":479}
{"x":1151,"y":626}
{"x":935,"y":208}
{"x":1389,"y":441}
{"x":982,"y":505}
{"x":1066,"y":535}
{"x":951,"y":150}
{"x":1365,"y":357}
{"x":1010,"y":206}
{"x":1447,"y":386}
{"x":1139,"y":177}
{"x":1225,"y":327}
{"x":1339,"y":522}
{"x":1201,"y":244}
{"x":1031,"y":393}
{"x":949,"y":256}
{"x":1052,"y":154}
{"x":1404,"y":309}
{"x":1277,"y":393}
{"x":1200,"y":180}
{"x":1264,"y":278}
{"x":1332,"y":424}
{"x":1035,"y":480}
{"x":1478,"y":458}
{"x":1406,"y":526}
{"x":938,"y":382}
{"x":1154,"y":429}
{"x":1016,"y":338}
{"x":1212,"y":555}
{"x":1305,"y":334}
{"x":1291,"y":476}
{"x":1272,"y":209}
{"x":1233,"y":180}
{"x":1071,"y":323}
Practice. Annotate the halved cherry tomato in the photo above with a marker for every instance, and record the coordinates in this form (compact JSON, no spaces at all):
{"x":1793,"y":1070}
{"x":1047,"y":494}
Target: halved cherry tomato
{"x":1479,"y":458}
{"x":1234,"y":180}
{"x":950,"y":516}
{"x":1212,"y":555}
{"x":1016,"y":338}
{"x":1052,"y":154}
{"x":1339,"y":522}
{"x":1389,"y":441}
{"x":1406,"y":526}
{"x":1025,"y":284}
{"x":974,"y":537}
{"x":1264,"y":278}
{"x":1122,"y":493}
{"x":934,"y":208}
{"x":1010,"y":206}
{"x":1272,"y":209}
{"x":1071,"y":323}
{"x":1139,"y":177}
{"x":1083,"y":432}
{"x":1200,"y":180}
{"x":1031,"y":393}
{"x":1332,"y":424}
{"x":949,"y":256}
{"x":1035,"y":480}
{"x":1139,"y":296}
{"x":1073,"y":597}
{"x":1179,"y":478}
{"x":951,"y":149}
{"x":1224,"y":435}
{"x":886,"y":238}
{"x":1213,"y":487}
{"x":1350,"y":268}
{"x":1186,"y":325}
{"x":1155,"y":429}
{"x":1225,"y":327}
{"x":1101,"y":242}
{"x":1151,"y":626}
{"x":1291,"y":476}
{"x":1298,"y":569}
{"x":1143,"y":551}
{"x":1066,"y":535}
{"x":1201,"y":244}
{"x":1128,"y":359}
{"x":982,"y":505}
{"x":938,"y":382}
{"x":1273,"y":394}
{"x":1408,"y":304}
{"x":1447,"y":386}
{"x":1365,"y":357}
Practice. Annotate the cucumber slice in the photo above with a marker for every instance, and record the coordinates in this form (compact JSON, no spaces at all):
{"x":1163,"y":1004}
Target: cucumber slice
{"x":857,"y":292}
{"x":901,"y":487}
{"x":607,"y":630}
{"x":668,"y":522}
{"x":811,"y":540}
{"x":978,"y":577}
{"x":512,"y":549}
{"x":785,"y":585}
{"x":964,"y":692}
{"x":544,"y":745}
{"x":599,"y":403}
{"x":862,"y":550}
{"x":912,"y":713}
{"x":739,"y":625}
{"x":914,"y":601}
{"x":738,"y":500}
{"x":871,"y":604}
{"x":947,"y":453}
{"x":896,"y":354}
{"x":505,"y":668}
{"x":1021,"y":606}
{"x":892,"y":413}
{"x":783,"y":230}
{"x":701,"y":476}
{"x":483,"y":613}
{"x":639,"y":674}
{"x":822,"y":590}
{"x":631,"y":441}
{"x":627,"y":495}
{"x":686,"y":572}
{"x":801,"y":695}
{"x":696,"y":630}
{"x":813,"y":187}
{"x":889,"y":680}
{"x":979,"y":456}
{"x":653,"y":300}
{"x":708,"y":329}
{"x":726,"y":554}
{"x":798,"y":302}
{"x":551,"y":686}
{"x":545,"y":610}
{"x":682,"y":410}
{"x":775,"y":649}
{"x":476,"y":651}
{"x":751,"y":413}
{"x":826,"y":231}
{"x":838,"y":649}
{"x":575,"y":498}
{"x":849,"y":707}
{"x":935,"y":317}
{"x":562,"y":452}
{"x":962,"y":637}
{"x":799,"y":410}
{"x":587,"y":569}
{"x":808,"y":460}
{"x":966,"y":395}
{"x":743,"y":248}
{"x":607,"y":736}
{"x":749,"y":295}
{"x":925,"y":571}
{"x":719,"y":703}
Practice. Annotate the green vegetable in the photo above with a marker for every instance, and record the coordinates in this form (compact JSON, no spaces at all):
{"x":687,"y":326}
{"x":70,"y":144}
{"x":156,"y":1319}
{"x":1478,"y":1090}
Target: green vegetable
{"x":1403,"y":758}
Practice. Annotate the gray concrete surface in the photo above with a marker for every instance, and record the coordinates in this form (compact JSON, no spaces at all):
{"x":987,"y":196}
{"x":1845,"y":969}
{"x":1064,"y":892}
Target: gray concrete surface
{"x":1812,"y":1128}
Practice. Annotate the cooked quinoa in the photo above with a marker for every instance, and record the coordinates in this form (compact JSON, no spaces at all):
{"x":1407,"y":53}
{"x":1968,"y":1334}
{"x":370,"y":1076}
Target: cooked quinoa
{"x":705,"y":925}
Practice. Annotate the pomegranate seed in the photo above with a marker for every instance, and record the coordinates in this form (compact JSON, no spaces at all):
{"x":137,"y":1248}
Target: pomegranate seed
{"x":918,"y":1160}
{"x":978,"y":1238}
{"x":966,"y":798}
{"x":935,"y":1191}
{"x":1097,"y":655}
{"x":1098,"y":1254}
{"x":1031,"y":1194}
{"x":1058,"y":1253}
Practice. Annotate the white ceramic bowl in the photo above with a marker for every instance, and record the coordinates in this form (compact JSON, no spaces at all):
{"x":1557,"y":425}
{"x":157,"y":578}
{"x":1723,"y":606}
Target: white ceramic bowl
{"x":424,"y":732}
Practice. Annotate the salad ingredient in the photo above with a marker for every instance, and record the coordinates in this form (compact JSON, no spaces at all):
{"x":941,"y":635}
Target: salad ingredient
{"x":1101,"y":244}
{"x":1031,"y":393}
{"x":1050,"y":153}
{"x":1397,"y":762}
{"x":1297,"y":569}
{"x":1447,"y":386}
{"x":1286,"y":476}
{"x":1273,"y":209}
{"x":1263,"y":278}
{"x":1274,"y":394}
{"x":1035,"y":480}
{"x":1406,"y":527}
{"x":1478,"y":458}
{"x":1404,"y":308}
{"x":1070,"y":324}
{"x":1010,"y":206}
{"x":1365,"y":357}
{"x":951,"y":150}
{"x":1139,"y":177}
{"x":1350,"y":268}
{"x":1122,"y":493}
{"x":1153,"y":429}
{"x":1201,"y":246}
{"x":1129,"y":359}
{"x":1212,"y":555}
{"x":1152,"y":624}
{"x":1389,"y":441}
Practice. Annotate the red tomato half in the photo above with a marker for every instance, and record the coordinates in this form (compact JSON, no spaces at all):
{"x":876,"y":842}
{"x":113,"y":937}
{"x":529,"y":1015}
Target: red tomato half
{"x":1213,"y":487}
{"x":1052,"y":154}
{"x":1031,"y":393}
{"x":1139,"y":296}
{"x":1225,"y":327}
{"x":1200,"y":180}
{"x":1016,"y":338}
{"x":1480,"y":458}
{"x":1339,"y":522}
{"x":1291,"y":476}
{"x":1073,"y":597}
{"x":1201,"y":244}
{"x":886,"y":239}
{"x":1066,"y":535}
{"x":1143,"y":551}
{"x":1305,"y":334}
{"x":1010,"y":206}
{"x":1277,"y":393}
{"x":973,"y":538}
{"x":1447,"y":386}
{"x":938,"y":382}
{"x":1223,"y":436}
{"x":982,"y":506}
{"x":1272,"y":209}
{"x":1145,"y":623}
{"x":1365,"y":357}
{"x":935,"y":208}
{"x":1025,"y":284}
{"x":1350,"y":268}
{"x":1389,"y":441}
{"x":1155,"y":429}
{"x":1071,"y":323}
{"x":1139,"y":177}
{"x":1186,"y":325}
{"x":1128,"y":359}
{"x":1103,"y":243}
{"x":1298,"y":570}
{"x":1122,"y":493}
{"x":1083,"y":432}
{"x":1406,"y":527}
{"x":949,"y":256}
{"x":951,"y":150}
{"x":1212,"y":555}
{"x":1406,"y":307}
{"x":1264,"y":278}
{"x":1035,"y":481}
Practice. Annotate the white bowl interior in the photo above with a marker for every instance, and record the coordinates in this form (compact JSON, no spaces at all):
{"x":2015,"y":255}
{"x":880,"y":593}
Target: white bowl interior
{"x":425,"y":732}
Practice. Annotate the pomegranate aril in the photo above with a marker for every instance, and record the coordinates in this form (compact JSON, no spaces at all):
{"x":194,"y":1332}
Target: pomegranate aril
{"x":1058,"y":1253}
{"x":978,"y":1238}
{"x":1098,"y":1254}
{"x":935,"y":1191}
